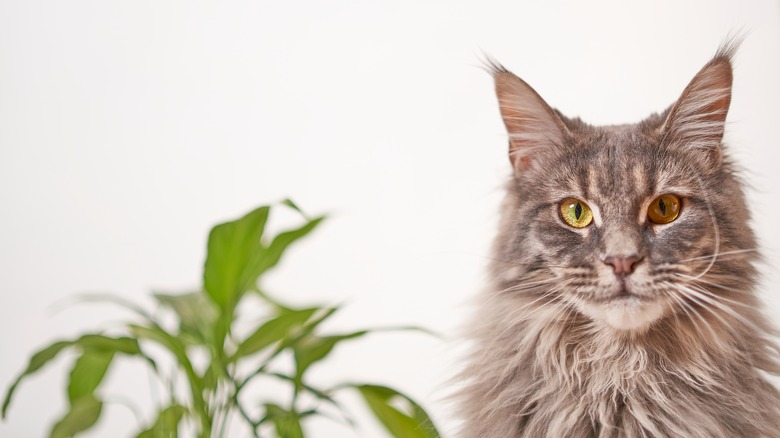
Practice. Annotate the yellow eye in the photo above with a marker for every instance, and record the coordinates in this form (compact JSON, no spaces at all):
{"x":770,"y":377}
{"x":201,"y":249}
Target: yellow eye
{"x":576,"y":213}
{"x":664,"y":209}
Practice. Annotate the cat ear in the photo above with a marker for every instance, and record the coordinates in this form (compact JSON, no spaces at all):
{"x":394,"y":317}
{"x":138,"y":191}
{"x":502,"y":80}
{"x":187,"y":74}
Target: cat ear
{"x":698,"y":118}
{"x":532,"y":125}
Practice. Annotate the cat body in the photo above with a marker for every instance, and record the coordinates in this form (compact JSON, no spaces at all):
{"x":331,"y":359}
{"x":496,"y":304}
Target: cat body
{"x":622,"y":298}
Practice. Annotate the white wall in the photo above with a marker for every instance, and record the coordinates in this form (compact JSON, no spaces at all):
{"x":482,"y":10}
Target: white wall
{"x":128,"y":128}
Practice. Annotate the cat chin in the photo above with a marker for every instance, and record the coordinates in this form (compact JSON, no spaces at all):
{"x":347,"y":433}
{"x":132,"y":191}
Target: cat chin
{"x":626,"y":314}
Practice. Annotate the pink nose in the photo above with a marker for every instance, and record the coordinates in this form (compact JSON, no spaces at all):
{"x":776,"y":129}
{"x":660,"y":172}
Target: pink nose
{"x":623,"y":265}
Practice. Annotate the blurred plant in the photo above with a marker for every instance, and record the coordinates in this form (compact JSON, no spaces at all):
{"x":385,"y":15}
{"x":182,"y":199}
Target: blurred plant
{"x":238,"y":254}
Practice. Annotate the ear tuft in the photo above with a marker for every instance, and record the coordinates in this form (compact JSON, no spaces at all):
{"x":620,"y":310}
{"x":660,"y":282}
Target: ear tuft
{"x":492,"y":66}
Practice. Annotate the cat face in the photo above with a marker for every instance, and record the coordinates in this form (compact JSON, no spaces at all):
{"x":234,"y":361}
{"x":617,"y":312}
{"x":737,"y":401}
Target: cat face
{"x":618,"y":266}
{"x":624,"y":223}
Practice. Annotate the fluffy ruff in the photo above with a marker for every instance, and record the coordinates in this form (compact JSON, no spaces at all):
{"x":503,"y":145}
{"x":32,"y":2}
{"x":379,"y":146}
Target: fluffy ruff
{"x":537,"y":374}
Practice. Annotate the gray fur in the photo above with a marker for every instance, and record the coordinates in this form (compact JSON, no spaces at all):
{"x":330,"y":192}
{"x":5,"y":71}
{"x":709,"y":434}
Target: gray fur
{"x":546,"y":361}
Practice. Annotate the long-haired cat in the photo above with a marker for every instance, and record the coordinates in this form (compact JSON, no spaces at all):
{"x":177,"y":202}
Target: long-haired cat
{"x":622,"y":300}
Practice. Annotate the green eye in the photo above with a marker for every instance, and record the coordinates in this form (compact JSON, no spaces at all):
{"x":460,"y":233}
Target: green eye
{"x":664,"y":209}
{"x":576,"y":213}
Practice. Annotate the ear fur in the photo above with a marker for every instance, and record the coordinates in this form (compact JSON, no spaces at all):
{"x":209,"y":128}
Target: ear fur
{"x":531,"y":124}
{"x":698,"y":119}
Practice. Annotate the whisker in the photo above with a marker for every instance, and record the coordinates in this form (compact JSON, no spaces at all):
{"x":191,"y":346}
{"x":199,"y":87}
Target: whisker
{"x":546,"y":263}
{"x":713,"y":300}
{"x":519,"y":314}
{"x":734,"y":252}
{"x":728,"y":300}
{"x":703,"y":304}
{"x":719,"y":297}
{"x":547,"y":294}
{"x":716,"y":231}
{"x":674,"y":294}
{"x":524,"y":286}
{"x":676,"y":316}
{"x":713,"y":284}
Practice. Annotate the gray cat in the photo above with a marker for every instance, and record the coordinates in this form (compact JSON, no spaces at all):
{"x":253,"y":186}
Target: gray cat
{"x":622,"y":300}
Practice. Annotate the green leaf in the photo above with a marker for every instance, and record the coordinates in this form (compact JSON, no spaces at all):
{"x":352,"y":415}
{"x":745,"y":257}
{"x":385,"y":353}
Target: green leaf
{"x":273,"y":331}
{"x":313,"y":349}
{"x":291,"y":341}
{"x":122,"y":344}
{"x":283,"y":240}
{"x":167,"y":423}
{"x":289,"y":203}
{"x":87,"y":342}
{"x":287,"y":423}
{"x":156,"y":334}
{"x":320,"y":317}
{"x":107,"y":298}
{"x":231,"y":246}
{"x":37,"y":361}
{"x":42,"y":357}
{"x":170,"y":342}
{"x":196,"y":313}
{"x":87,"y":373}
{"x":237,"y":256}
{"x":83,"y":414}
{"x":400,"y":415}
{"x":320,"y":394}
{"x":209,"y":378}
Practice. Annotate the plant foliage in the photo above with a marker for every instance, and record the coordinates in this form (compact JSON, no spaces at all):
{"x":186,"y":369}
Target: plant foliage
{"x":239,"y":252}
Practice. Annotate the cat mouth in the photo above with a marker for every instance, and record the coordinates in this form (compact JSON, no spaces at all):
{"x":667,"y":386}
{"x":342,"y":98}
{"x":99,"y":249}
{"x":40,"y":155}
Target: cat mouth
{"x":625,"y":310}
{"x":623,"y":307}
{"x":627,"y":298}
{"x":624,"y":294}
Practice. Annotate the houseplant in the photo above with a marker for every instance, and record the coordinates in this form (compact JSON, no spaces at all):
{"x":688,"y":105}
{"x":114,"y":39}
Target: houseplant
{"x":196,"y":331}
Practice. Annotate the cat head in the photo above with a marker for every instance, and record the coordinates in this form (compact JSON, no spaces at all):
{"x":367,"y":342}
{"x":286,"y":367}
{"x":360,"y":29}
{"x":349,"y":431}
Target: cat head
{"x":629,"y":224}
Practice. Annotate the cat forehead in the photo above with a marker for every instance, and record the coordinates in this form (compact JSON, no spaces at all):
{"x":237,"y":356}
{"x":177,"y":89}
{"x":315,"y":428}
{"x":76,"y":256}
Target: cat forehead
{"x":618,"y":161}
{"x":615,"y":147}
{"x":618,"y":137}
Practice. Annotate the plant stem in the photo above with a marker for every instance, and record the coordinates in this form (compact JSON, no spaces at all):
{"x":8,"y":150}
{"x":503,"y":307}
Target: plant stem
{"x":254,"y":425}
{"x":197,"y":400}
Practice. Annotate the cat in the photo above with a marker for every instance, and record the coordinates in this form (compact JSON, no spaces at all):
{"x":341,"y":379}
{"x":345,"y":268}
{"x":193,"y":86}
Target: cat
{"x":621,"y":301}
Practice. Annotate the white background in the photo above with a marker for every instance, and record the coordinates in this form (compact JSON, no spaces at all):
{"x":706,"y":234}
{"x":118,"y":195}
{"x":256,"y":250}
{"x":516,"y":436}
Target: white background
{"x":129,"y":128}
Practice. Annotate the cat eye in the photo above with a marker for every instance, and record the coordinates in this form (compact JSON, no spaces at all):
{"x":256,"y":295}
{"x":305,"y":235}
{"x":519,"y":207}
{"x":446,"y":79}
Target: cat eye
{"x":664,"y":209}
{"x":576,"y":213}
